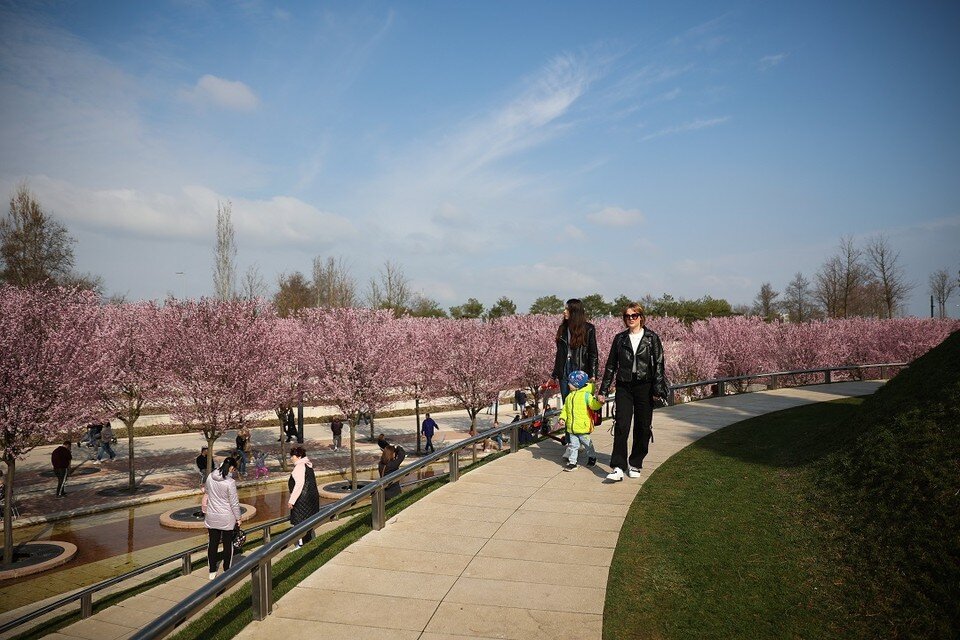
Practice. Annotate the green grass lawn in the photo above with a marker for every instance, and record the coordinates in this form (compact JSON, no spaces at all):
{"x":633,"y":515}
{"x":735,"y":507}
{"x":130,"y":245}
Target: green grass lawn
{"x":728,"y":539}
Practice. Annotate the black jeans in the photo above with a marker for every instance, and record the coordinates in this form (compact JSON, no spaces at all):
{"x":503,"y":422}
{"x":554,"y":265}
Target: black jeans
{"x":429,"y":446}
{"x":215,"y":537}
{"x":61,"y":479}
{"x":633,"y":403}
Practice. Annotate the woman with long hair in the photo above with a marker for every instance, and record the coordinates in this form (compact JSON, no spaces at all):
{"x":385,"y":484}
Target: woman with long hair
{"x":304,"y":500}
{"x":576,"y":346}
{"x":636,"y":363}
{"x":221,"y":508}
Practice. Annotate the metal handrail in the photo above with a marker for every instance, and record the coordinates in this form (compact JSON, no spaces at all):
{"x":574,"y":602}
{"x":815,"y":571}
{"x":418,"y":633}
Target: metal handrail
{"x":826,"y":371}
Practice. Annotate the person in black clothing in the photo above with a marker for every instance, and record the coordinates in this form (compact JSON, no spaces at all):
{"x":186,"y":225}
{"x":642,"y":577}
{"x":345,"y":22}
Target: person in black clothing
{"x":304,"y":500}
{"x":61,"y":459}
{"x":636,"y":363}
{"x":336,"y":427}
{"x":290,"y":427}
{"x":576,"y":347}
{"x":202,"y":464}
{"x":390,"y":460}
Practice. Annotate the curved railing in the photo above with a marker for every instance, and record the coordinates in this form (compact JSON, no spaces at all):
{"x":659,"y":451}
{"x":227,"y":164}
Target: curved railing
{"x":258,"y":563}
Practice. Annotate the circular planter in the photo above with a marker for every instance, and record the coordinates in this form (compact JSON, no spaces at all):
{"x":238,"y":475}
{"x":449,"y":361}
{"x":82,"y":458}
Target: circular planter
{"x":37,"y":557}
{"x":340,"y":489}
{"x":192,"y":517}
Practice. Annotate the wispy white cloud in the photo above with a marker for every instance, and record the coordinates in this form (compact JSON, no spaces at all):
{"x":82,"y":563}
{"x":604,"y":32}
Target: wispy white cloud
{"x":615,"y":217}
{"x":768,"y":62}
{"x":211,"y":91}
{"x":693,"y":125}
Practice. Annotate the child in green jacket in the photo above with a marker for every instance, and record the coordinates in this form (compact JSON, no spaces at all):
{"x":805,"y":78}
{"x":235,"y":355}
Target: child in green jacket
{"x":578,"y":420}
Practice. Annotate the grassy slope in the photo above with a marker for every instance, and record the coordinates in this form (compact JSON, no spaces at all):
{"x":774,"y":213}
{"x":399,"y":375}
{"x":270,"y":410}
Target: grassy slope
{"x":833,"y":520}
{"x":720,"y":541}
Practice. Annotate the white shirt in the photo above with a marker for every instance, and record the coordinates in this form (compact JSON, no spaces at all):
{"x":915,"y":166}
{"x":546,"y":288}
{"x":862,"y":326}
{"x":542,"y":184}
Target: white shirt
{"x":635,"y":339}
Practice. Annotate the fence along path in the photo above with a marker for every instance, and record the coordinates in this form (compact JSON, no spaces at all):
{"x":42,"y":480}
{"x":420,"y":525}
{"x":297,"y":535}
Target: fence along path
{"x":515,"y":549}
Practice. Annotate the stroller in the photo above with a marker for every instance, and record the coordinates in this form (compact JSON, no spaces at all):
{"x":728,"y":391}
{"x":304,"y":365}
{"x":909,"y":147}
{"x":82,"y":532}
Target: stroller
{"x":260,"y":465}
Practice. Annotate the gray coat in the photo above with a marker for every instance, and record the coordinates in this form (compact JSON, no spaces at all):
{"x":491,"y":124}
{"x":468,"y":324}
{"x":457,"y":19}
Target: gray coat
{"x":223,"y":506}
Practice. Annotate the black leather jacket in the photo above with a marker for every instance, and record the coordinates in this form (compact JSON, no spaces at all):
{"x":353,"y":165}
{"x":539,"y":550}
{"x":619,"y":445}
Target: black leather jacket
{"x":649,"y":363}
{"x":584,"y":358}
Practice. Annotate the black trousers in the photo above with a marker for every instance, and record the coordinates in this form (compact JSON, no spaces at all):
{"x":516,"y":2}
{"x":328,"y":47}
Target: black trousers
{"x":216,"y":536}
{"x":633,"y":403}
{"x":61,"y":479}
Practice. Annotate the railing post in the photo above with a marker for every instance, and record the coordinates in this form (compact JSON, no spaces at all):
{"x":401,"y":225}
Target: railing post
{"x":514,"y":439}
{"x":721,"y":388}
{"x":377,"y":510}
{"x":86,"y":605}
{"x":883,"y":372}
{"x":774,"y":382}
{"x":261,"y":592}
{"x":186,"y":564}
{"x":266,"y":534}
{"x":455,"y":465}
{"x":827,"y":379}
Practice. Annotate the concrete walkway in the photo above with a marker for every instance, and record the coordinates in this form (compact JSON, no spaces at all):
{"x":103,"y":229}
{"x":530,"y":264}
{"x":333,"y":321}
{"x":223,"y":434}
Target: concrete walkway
{"x":515,"y":549}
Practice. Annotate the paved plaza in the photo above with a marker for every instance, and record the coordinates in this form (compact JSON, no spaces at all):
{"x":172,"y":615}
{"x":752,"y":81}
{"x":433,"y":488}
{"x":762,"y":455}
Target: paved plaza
{"x":514,"y":549}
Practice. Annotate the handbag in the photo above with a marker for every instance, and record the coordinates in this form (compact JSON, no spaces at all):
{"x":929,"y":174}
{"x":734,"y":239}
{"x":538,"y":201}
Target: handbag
{"x":239,"y":537}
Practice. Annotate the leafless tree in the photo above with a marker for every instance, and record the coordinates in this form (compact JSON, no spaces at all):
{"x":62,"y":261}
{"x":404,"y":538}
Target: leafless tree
{"x":798,"y":299}
{"x":225,"y":254}
{"x":942,"y":286}
{"x":841,"y":282}
{"x":253,"y":285}
{"x":332,"y":283}
{"x":883,"y":265}
{"x":391,"y":291}
{"x":765,"y":303}
{"x":34,"y":247}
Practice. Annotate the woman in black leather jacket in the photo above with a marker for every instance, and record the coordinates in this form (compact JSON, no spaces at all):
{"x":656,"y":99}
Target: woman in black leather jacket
{"x":576,"y":346}
{"x":636,"y":362}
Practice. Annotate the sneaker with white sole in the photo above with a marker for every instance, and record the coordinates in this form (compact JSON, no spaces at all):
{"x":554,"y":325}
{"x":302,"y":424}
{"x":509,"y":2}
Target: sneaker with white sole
{"x":571,"y":466}
{"x":616,"y":475}
{"x":633,"y":472}
{"x":213,"y":575}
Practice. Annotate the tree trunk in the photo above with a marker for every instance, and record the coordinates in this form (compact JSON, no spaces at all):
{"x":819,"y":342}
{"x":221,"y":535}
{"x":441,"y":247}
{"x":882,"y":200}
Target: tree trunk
{"x":282,"y":415}
{"x":8,"y":512}
{"x":353,"y":452}
{"x":129,"y":426}
{"x":370,"y":416}
{"x":210,"y":440}
{"x":417,"y":409}
{"x":473,"y":431}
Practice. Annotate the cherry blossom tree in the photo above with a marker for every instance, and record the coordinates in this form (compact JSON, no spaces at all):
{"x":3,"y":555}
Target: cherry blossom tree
{"x":355,"y":360}
{"x":477,"y":365}
{"x":533,"y":339}
{"x":741,"y":345}
{"x":217,"y":354}
{"x":421,"y":344}
{"x":289,"y":370}
{"x":133,"y":333}
{"x":52,"y":361}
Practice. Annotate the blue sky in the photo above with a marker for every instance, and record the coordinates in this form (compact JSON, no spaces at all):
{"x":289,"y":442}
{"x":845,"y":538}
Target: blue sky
{"x":489,"y":148}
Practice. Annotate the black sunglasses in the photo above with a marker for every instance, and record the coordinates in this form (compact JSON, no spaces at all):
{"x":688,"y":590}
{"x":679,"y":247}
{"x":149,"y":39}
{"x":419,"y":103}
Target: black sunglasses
{"x":631,"y":316}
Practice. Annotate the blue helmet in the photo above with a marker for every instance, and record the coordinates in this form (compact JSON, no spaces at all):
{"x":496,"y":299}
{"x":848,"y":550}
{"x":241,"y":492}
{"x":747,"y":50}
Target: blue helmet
{"x":578,"y":379}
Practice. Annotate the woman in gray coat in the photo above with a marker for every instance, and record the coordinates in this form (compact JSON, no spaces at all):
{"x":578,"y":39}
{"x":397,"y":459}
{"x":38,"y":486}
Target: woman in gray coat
{"x":221,"y":508}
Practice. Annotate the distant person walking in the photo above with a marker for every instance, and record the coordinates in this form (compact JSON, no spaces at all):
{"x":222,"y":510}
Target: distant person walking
{"x":428,"y":427}
{"x":304,"y":500}
{"x":336,"y":426}
{"x":202,"y":464}
{"x":222,"y":513}
{"x":290,"y":427}
{"x":106,"y":443}
{"x":61,"y":459}
{"x":636,"y":363}
{"x":576,"y":346}
{"x":243,"y":446}
{"x":519,"y":400}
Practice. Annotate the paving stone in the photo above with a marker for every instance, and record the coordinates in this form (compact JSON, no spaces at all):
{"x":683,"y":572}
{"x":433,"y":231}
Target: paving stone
{"x":485,"y":621}
{"x":544,"y":597}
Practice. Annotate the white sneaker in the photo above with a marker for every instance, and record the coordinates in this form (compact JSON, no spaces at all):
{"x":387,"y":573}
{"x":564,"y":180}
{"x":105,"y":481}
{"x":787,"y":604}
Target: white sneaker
{"x":213,"y":575}
{"x":616,"y":475}
{"x":633,"y":472}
